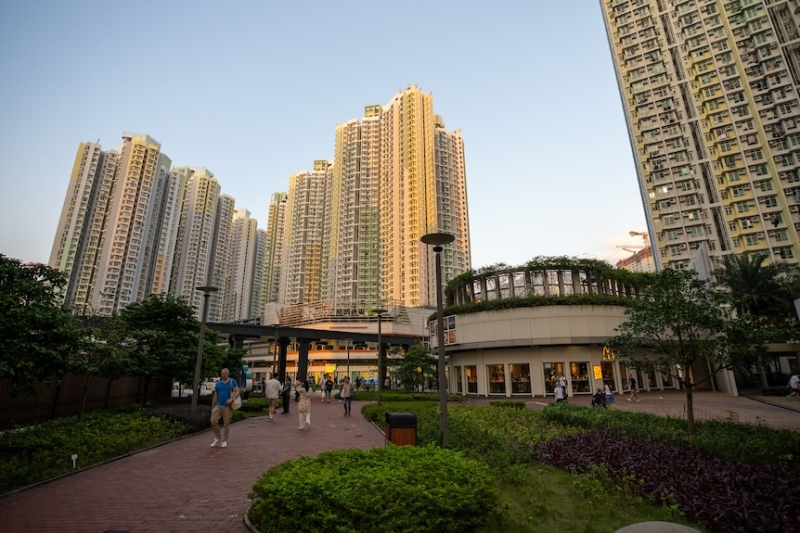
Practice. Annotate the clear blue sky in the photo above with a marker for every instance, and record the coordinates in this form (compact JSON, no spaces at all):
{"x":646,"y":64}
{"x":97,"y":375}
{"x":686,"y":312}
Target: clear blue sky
{"x":253,"y":90}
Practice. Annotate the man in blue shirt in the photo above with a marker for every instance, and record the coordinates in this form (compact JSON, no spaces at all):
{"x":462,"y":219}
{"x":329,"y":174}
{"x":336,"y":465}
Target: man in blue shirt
{"x":225,"y":390}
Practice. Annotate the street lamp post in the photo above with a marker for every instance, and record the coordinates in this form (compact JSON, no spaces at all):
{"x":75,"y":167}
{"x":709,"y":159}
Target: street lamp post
{"x":379,"y":389}
{"x":199,"y":361}
{"x":438,"y":240}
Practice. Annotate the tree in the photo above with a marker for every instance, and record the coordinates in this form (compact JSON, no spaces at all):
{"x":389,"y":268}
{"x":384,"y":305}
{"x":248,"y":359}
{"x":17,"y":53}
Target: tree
{"x":678,"y":321}
{"x":415,"y":367}
{"x":761,"y":297}
{"x":37,"y":335}
{"x":103,"y":352}
{"x":162,"y":334}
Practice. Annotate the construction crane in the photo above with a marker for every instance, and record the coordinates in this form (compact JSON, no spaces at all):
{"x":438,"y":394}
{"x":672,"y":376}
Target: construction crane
{"x":631,"y":249}
{"x":643,"y":235}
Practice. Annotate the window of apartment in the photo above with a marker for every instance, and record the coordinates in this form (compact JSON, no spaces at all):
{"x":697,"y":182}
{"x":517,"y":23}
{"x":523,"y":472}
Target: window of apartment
{"x":737,"y":191}
{"x":673,"y":235}
{"x":751,"y":239}
{"x":781,"y":235}
{"x":728,"y":210}
{"x":760,"y":170}
{"x":734,"y":175}
{"x":771,"y":201}
{"x":766,"y":185}
{"x":742,"y":207}
{"x":668,"y":220}
{"x":746,"y":223}
{"x":732,"y":226}
{"x":674,"y":250}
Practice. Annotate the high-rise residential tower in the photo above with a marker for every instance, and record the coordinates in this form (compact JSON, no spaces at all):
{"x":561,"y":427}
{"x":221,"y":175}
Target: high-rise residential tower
{"x":130,"y":214}
{"x":220,"y":277}
{"x":246,"y":267}
{"x":273,"y":255}
{"x":422,"y":189}
{"x":193,"y":264}
{"x":709,"y":90}
{"x":301,"y":270}
{"x":82,"y":223}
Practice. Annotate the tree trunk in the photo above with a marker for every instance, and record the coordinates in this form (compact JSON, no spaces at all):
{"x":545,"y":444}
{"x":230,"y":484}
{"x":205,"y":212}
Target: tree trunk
{"x":762,"y":371}
{"x":83,"y":399}
{"x":690,"y":409}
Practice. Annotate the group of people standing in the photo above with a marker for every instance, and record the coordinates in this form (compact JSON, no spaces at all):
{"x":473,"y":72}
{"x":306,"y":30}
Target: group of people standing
{"x":226,"y":390}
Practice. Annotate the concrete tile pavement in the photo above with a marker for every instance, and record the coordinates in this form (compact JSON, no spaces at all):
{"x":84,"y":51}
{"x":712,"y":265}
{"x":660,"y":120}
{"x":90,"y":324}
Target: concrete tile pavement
{"x":183,"y":485}
{"x":771,"y":411}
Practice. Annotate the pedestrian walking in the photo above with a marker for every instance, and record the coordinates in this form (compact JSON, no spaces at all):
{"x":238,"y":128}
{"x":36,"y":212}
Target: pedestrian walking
{"x":347,"y":395}
{"x":304,"y":405}
{"x":286,"y":393}
{"x":225,"y":391}
{"x":794,"y":385}
{"x":632,"y":384}
{"x":609,"y":396}
{"x":561,"y":394}
{"x":273,"y":393}
{"x":328,"y":389}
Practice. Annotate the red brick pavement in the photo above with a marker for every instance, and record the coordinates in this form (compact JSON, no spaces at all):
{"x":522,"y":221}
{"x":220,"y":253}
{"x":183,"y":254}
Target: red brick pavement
{"x":184,"y":485}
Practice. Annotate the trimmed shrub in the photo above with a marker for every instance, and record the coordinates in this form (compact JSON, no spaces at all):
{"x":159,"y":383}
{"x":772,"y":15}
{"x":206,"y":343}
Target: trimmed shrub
{"x":402,"y":489}
{"x":513,"y":404}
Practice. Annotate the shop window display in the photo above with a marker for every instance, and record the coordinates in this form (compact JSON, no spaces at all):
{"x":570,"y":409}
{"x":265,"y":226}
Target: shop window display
{"x":497,"y":379}
{"x":520,"y":379}
{"x":607,"y":369}
{"x":459,"y":384}
{"x":472,"y":379}
{"x":579,"y":372}
{"x":552,"y":371}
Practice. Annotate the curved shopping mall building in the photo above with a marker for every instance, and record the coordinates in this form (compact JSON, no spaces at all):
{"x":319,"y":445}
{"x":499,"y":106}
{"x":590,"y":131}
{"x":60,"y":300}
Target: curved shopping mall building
{"x":513,"y":332}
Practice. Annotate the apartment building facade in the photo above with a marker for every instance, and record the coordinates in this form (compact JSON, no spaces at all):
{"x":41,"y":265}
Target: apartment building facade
{"x":709,"y":89}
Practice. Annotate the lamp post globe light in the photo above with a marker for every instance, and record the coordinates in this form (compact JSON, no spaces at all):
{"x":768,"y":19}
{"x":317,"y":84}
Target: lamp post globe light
{"x":207,"y":290}
{"x":438,"y":240}
{"x":379,"y":388}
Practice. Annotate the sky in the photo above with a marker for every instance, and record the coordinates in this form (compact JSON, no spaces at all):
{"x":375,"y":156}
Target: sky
{"x":253,"y":91}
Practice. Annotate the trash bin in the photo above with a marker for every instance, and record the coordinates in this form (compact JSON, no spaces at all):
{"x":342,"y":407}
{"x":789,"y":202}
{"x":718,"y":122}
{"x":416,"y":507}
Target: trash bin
{"x":401,"y":428}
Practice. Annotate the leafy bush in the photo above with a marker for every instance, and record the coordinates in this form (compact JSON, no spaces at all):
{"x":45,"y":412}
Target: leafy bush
{"x":723,"y":496}
{"x":775,"y":391}
{"x":500,"y":437}
{"x":514,"y":404}
{"x":254,"y":405}
{"x":396,"y":488}
{"x":41,"y":452}
{"x":746,"y":443}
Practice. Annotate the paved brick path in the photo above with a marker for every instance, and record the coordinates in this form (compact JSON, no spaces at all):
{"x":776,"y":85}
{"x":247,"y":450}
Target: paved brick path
{"x":184,"y":485}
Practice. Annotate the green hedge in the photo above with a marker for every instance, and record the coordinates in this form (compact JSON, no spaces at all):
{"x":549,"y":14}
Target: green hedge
{"x":42,"y":452}
{"x":401,"y":489}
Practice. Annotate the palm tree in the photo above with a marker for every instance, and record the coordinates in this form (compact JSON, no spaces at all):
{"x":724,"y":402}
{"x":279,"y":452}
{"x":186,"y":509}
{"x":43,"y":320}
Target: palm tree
{"x":759,"y":291}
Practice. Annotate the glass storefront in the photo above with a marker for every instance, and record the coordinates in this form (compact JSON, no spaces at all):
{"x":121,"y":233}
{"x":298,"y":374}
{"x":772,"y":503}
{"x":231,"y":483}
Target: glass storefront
{"x":667,"y":381}
{"x":459,"y":384}
{"x":607,"y":369}
{"x":520,"y":379}
{"x":472,"y":379}
{"x":579,"y":372}
{"x":551,"y":372}
{"x":497,"y":379}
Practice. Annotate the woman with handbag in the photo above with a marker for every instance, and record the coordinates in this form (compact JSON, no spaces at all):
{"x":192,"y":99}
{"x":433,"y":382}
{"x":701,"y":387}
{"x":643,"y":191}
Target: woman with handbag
{"x":347,"y":395}
{"x":304,"y":405}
